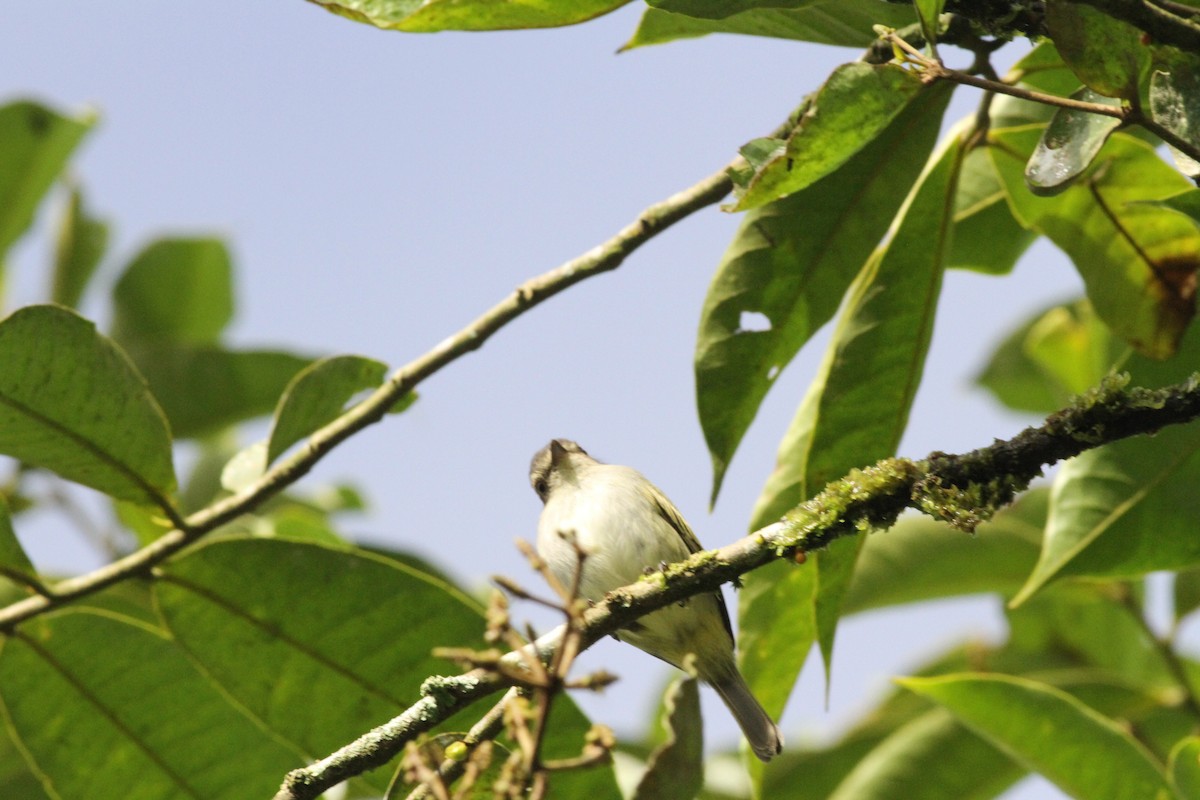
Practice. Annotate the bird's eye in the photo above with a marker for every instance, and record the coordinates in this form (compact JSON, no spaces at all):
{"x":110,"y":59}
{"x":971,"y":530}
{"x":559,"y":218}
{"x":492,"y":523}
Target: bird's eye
{"x":540,"y":487}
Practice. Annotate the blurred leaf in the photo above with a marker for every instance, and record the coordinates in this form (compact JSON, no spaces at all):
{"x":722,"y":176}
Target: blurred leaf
{"x":14,"y":563}
{"x":1043,"y":68}
{"x":468,"y":15}
{"x":716,"y":9}
{"x":320,"y":644}
{"x":676,"y":768}
{"x":82,"y":240}
{"x":1047,"y":731}
{"x":1055,"y":355}
{"x":1106,"y":54}
{"x":846,"y":23}
{"x":246,"y":467}
{"x":317,"y":395}
{"x":986,"y":236}
{"x":854,"y":106}
{"x":1175,"y":104}
{"x":922,"y":559}
{"x":928,"y":12}
{"x":86,"y":692}
{"x":1186,"y":592}
{"x":1184,"y":769}
{"x":1186,"y":203}
{"x":1137,"y":261}
{"x":204,"y":389}
{"x":35,"y":143}
{"x":791,"y":262}
{"x":931,"y":758}
{"x":1069,"y":145}
{"x":854,"y":414}
{"x":71,"y":402}
{"x":17,"y":779}
{"x":177,"y":290}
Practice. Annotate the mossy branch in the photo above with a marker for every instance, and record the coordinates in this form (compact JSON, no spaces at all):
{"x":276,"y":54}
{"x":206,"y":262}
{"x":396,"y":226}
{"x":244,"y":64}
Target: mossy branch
{"x":963,"y":490}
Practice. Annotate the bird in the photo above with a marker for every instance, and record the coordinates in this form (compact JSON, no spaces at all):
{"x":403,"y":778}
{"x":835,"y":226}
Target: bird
{"x":626,"y":527}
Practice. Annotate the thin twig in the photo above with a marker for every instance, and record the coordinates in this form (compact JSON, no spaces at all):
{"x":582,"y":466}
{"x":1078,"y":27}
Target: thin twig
{"x":603,"y":258}
{"x":866,"y":499}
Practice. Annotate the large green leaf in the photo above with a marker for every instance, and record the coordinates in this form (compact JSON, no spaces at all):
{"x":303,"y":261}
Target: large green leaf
{"x":320,"y":644}
{"x":791,"y":263}
{"x":1046,"y":730}
{"x":14,"y":563}
{"x":418,"y":16}
{"x":107,"y":707}
{"x":206,"y":388}
{"x":81,"y":243}
{"x":1137,"y":260}
{"x":987,"y":237}
{"x":1106,"y":54}
{"x":35,"y":143}
{"x":931,"y":758}
{"x":180,"y":290}
{"x":71,"y":402}
{"x":1184,"y":769}
{"x":922,"y":559}
{"x":837,"y":22}
{"x":855,"y":413}
{"x":853,"y":107}
{"x":1058,"y":353}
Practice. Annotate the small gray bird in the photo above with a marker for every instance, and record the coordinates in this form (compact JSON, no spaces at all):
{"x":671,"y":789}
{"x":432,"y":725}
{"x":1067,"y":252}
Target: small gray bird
{"x":626,"y":526}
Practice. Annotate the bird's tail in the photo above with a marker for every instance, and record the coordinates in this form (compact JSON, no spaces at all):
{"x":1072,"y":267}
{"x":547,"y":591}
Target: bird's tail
{"x":765,"y":739}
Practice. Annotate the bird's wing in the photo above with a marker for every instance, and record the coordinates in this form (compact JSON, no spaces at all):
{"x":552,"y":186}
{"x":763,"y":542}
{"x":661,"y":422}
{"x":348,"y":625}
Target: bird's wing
{"x":671,"y":514}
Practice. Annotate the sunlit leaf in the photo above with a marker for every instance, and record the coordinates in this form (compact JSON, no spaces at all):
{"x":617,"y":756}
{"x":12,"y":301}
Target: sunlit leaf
{"x":81,"y":243}
{"x":71,"y":402}
{"x":1137,"y":260}
{"x":178,"y":290}
{"x":846,"y":22}
{"x":35,"y":143}
{"x":928,"y":12}
{"x":854,"y":414}
{"x":1106,"y":54}
{"x":1046,"y":730}
{"x":320,"y":644}
{"x":856,"y":103}
{"x":88,"y":696}
{"x":1069,"y":145}
{"x":317,"y":395}
{"x":468,"y":15}
{"x":1175,"y":104}
{"x":791,"y":262}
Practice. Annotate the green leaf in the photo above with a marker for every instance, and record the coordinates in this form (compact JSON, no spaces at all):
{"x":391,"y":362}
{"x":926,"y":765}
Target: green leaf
{"x":847,"y":23}
{"x":928,"y":12}
{"x":82,"y":240}
{"x":468,"y":15}
{"x":791,"y":262}
{"x":1186,"y":203}
{"x":676,"y":767}
{"x":317,"y":395}
{"x":14,"y":563}
{"x":716,"y":9}
{"x":854,"y":414}
{"x":931,"y":758}
{"x":1184,"y":769}
{"x":177,"y":290}
{"x":987,"y":238}
{"x":1044,"y":729}
{"x":320,"y":644}
{"x":1106,"y":54}
{"x":1186,"y":592}
{"x":1137,"y":260}
{"x":1069,"y":145}
{"x":35,"y":143}
{"x":71,"y":402}
{"x":100,"y":702}
{"x":206,"y":388}
{"x":922,"y":559}
{"x":853,"y":107}
{"x":1056,"y":354}
{"x":1175,"y":104}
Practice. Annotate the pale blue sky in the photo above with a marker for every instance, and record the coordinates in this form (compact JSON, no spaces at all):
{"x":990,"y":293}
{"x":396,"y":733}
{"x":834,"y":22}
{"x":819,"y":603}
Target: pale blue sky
{"x":379,"y":190}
